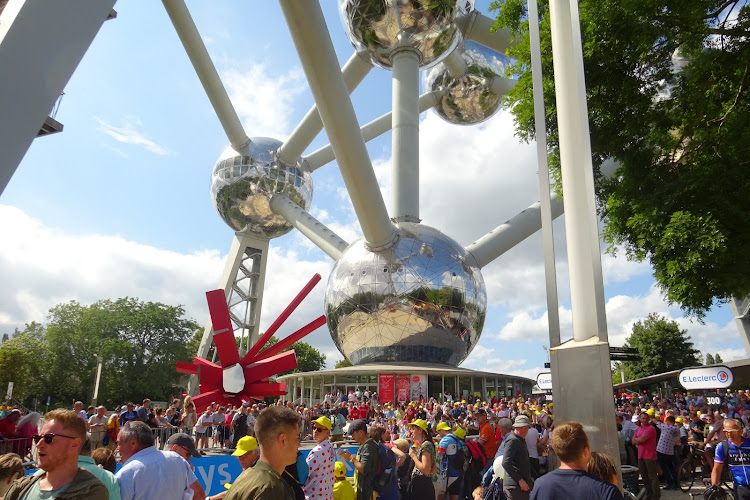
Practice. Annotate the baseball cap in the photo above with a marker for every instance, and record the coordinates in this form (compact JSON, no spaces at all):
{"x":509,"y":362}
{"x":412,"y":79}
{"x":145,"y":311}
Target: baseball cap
{"x":481,"y":411}
{"x":634,"y":419}
{"x":357,"y":425}
{"x":460,"y":433}
{"x":182,"y":439}
{"x":678,"y":420}
{"x":522,"y":421}
{"x":245,"y":444}
{"x":420,"y":423}
{"x":339,"y":469}
{"x":442,"y":426}
{"x":324,"y":421}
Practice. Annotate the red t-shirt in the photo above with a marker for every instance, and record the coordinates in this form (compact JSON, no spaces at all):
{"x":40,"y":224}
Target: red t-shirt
{"x":354,"y":413}
{"x":7,"y":428}
{"x":487,"y":434}
{"x":647,"y":449}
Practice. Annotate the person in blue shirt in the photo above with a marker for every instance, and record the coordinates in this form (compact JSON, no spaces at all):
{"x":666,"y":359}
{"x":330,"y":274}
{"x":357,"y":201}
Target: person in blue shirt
{"x":737,"y":457}
{"x":447,"y":451}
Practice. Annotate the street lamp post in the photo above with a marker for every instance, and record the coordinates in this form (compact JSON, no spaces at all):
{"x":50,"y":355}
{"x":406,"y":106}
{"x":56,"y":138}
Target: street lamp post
{"x":99,"y":361}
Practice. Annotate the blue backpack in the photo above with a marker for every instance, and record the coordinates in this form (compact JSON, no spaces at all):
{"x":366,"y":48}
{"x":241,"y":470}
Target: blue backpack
{"x":387,"y":475}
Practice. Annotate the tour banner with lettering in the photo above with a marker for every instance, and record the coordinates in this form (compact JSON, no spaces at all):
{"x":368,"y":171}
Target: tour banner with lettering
{"x":402,"y":388}
{"x":418,"y":386}
{"x":706,"y":377}
{"x":386,"y":386}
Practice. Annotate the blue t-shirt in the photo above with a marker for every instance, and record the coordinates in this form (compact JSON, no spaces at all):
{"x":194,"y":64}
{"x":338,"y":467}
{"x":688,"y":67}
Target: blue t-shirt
{"x":738,"y":460}
{"x":452,"y":445}
{"x":564,"y":484}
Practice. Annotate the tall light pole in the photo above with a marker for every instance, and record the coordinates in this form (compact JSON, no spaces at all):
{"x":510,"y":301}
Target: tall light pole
{"x":99,"y":361}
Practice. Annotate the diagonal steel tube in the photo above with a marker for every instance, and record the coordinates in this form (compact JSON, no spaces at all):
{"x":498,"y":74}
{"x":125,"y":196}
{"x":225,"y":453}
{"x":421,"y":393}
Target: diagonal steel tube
{"x":209,"y":77}
{"x":313,"y":42}
{"x":354,"y":71}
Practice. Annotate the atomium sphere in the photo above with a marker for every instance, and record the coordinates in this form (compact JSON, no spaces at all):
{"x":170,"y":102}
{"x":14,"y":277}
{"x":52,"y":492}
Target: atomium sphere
{"x":469,"y":99}
{"x":418,"y":301}
{"x":242,"y":187}
{"x":379,"y":27}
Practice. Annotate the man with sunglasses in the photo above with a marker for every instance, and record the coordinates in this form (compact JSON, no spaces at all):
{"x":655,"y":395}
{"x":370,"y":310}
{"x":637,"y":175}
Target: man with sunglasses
{"x":58,"y":446}
{"x":320,"y":461}
{"x":736,"y":456}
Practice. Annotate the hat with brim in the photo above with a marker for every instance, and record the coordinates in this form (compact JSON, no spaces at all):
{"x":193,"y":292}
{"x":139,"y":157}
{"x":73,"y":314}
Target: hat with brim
{"x":324,"y":421}
{"x":357,"y":425}
{"x":522,"y":421}
{"x":182,"y":439}
{"x":245,"y":444}
{"x":420,"y":423}
{"x":460,"y":433}
{"x":442,"y":426}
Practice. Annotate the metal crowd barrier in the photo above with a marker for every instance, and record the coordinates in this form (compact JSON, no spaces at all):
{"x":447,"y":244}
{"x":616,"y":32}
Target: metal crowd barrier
{"x":24,"y":447}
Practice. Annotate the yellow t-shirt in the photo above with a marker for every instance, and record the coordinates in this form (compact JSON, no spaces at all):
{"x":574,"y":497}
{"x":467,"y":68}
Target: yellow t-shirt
{"x":342,"y":490}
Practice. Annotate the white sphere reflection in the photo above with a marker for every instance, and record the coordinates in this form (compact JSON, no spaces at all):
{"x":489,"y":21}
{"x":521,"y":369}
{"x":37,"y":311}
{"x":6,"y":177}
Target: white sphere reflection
{"x":242,"y":186}
{"x":468,"y":99}
{"x":418,"y":301}
{"x":379,"y":27}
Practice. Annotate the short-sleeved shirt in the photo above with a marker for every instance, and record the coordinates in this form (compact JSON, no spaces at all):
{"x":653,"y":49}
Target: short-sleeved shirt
{"x":647,"y":449}
{"x":368,"y":456}
{"x":738,"y":460}
{"x":487,"y":434}
{"x":319,"y":483}
{"x":670,"y":437}
{"x":564,"y":484}
{"x":449,"y":446}
{"x":425,"y":448}
{"x":260,"y":482}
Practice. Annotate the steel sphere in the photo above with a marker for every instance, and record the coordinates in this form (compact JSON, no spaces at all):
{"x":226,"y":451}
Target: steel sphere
{"x":469,"y":99}
{"x":418,"y":301}
{"x":379,"y":27}
{"x":242,"y":187}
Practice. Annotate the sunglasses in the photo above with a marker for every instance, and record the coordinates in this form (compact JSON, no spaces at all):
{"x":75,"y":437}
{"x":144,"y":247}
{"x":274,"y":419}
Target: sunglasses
{"x":49,"y":437}
{"x":319,"y":429}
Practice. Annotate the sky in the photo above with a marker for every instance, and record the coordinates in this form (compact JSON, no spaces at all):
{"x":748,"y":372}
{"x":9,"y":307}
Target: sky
{"x":118,"y":203}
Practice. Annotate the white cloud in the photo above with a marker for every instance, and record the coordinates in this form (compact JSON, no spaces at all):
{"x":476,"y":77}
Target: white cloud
{"x":264,"y":102}
{"x":128,"y":133}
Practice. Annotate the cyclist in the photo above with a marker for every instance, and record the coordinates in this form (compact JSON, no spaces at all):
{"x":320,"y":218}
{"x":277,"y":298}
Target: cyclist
{"x":737,"y":457}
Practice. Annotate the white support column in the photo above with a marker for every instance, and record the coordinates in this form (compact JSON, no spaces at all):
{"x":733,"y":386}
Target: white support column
{"x":741,"y":312}
{"x":405,"y":137}
{"x":455,"y":64}
{"x":41,"y":44}
{"x":209,"y":77}
{"x":243,"y":289}
{"x":315,"y":231}
{"x":501,"y":86}
{"x":354,"y":71}
{"x":476,"y":26}
{"x":370,"y":131}
{"x":313,"y":42}
{"x":509,"y":234}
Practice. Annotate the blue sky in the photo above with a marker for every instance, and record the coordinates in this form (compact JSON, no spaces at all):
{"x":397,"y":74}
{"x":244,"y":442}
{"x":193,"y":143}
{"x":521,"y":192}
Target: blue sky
{"x":118,"y":203}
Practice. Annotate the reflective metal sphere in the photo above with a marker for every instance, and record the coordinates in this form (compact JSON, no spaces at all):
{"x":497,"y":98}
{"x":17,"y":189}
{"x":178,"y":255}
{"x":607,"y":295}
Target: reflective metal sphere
{"x":242,"y":186}
{"x":418,"y":301}
{"x":469,"y":99}
{"x":378,"y":27}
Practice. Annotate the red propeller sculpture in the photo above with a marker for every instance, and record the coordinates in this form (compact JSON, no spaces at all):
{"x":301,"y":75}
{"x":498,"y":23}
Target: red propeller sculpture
{"x":236,"y":380}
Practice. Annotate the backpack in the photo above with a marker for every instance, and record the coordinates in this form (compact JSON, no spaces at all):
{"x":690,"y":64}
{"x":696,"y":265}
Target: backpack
{"x":387,"y":472}
{"x":462,"y":460}
{"x":477,"y":463}
{"x":241,"y":422}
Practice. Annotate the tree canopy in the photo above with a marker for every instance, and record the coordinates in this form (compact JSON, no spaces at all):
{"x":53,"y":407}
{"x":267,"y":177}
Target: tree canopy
{"x":343,"y":363}
{"x":139,"y":343}
{"x":679,"y":200}
{"x":662,"y":347}
{"x":309,"y":359}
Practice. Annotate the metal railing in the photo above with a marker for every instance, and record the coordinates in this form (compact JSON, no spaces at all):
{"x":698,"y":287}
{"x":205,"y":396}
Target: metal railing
{"x":24,"y":447}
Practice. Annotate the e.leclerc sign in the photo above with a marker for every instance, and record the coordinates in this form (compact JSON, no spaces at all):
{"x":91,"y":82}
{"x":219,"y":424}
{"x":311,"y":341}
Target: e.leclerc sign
{"x":544,"y":381}
{"x":709,"y":377}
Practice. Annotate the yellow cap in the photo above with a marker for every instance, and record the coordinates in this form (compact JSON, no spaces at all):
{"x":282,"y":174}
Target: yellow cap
{"x":420,"y":407}
{"x":650,"y":411}
{"x":411,"y":404}
{"x":245,"y":444}
{"x":442,"y":426}
{"x":460,"y":433}
{"x":420,"y":423}
{"x":463,"y":402}
{"x":678,"y":420}
{"x":324,"y":421}
{"x":339,"y":469}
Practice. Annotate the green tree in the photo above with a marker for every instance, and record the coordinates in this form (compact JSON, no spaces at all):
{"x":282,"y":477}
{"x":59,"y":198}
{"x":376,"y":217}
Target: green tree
{"x":662,"y":347}
{"x":23,"y":359}
{"x":709,"y":359}
{"x":343,"y":363}
{"x":680,"y":199}
{"x":717,"y":359}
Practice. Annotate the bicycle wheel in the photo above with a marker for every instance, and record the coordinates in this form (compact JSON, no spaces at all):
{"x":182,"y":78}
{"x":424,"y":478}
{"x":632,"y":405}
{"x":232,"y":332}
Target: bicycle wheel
{"x":686,"y":475}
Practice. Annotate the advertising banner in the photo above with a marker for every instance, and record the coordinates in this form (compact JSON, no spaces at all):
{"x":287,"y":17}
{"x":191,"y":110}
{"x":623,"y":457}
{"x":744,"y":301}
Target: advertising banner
{"x":402,"y":388}
{"x":386,"y":386}
{"x":706,"y":377}
{"x":418,"y":386}
{"x":544,"y":381}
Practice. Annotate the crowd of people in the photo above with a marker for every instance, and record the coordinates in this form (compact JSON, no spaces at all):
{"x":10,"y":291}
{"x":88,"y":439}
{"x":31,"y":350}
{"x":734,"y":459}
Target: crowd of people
{"x":464,"y":449}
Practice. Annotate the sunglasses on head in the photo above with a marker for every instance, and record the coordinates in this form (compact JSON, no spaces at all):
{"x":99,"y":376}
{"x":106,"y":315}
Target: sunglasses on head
{"x":49,"y":437}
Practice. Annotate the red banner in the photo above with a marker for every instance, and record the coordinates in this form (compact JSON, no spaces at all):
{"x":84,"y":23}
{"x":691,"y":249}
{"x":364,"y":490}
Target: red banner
{"x":402,"y":387}
{"x":385,"y":388}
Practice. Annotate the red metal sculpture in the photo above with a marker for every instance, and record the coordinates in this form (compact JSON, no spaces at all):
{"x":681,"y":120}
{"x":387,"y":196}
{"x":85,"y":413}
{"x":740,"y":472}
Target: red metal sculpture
{"x":234,"y":380}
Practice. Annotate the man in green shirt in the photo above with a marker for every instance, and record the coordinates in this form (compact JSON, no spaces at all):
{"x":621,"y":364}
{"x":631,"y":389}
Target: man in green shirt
{"x":277,"y":431}
{"x":365,"y":463}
